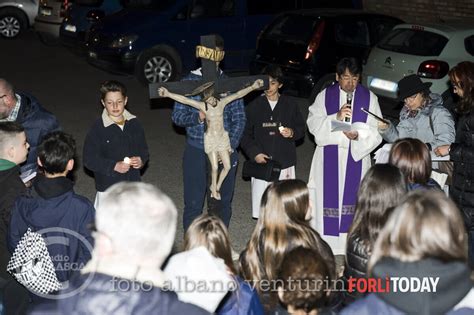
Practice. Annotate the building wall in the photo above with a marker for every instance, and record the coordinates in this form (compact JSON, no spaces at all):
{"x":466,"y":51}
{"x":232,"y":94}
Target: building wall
{"x":423,"y":11}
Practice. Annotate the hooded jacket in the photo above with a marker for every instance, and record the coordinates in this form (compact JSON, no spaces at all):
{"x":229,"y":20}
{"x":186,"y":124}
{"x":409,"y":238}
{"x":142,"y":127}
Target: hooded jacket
{"x":37,"y":122}
{"x":11,"y":187}
{"x":433,"y":125}
{"x":54,"y":204}
{"x":454,"y":293}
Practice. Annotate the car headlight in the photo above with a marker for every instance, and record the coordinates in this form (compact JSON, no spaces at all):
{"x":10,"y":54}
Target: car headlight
{"x":123,"y":41}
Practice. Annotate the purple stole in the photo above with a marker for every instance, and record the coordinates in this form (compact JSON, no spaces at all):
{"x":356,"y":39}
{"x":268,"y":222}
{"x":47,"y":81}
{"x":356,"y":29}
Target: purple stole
{"x":331,"y":224}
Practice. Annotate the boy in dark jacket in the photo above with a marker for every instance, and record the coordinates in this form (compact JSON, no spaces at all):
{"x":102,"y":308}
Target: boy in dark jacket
{"x":115,"y":148}
{"x":273,"y":125}
{"x":13,"y":151}
{"x":53,"y":205}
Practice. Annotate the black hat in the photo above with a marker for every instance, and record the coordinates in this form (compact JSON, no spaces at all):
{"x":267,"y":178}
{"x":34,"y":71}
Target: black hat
{"x":411,"y":85}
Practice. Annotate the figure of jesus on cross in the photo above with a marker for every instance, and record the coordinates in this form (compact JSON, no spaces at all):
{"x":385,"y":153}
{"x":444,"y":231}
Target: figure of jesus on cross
{"x":216,"y":97}
{"x":216,"y":139}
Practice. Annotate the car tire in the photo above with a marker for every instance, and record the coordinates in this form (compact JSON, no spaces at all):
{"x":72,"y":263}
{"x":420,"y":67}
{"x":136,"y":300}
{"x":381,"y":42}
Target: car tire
{"x":322,"y":83}
{"x":12,"y":23}
{"x":157,"y":65}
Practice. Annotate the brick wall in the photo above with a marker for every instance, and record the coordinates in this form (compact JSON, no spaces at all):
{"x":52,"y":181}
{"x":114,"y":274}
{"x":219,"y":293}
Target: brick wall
{"x":423,"y":11}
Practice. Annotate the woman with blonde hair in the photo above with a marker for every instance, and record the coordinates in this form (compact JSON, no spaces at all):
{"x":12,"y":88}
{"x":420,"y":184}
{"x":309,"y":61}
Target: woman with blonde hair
{"x":283,"y":224}
{"x":423,"y":243}
{"x":209,"y":231}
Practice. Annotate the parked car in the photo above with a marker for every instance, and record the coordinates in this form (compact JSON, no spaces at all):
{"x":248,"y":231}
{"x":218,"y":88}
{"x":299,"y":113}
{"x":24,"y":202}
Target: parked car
{"x":427,"y":50}
{"x":80,"y":16}
{"x":307,"y":44}
{"x":50,"y":16}
{"x":157,"y":41}
{"x":16,"y":16}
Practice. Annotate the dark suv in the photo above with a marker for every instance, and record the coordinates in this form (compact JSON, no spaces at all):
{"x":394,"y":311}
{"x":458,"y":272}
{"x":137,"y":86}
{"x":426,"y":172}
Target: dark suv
{"x":308,"y":43}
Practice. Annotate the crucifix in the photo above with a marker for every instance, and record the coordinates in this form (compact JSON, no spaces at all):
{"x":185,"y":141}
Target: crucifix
{"x":216,"y":93}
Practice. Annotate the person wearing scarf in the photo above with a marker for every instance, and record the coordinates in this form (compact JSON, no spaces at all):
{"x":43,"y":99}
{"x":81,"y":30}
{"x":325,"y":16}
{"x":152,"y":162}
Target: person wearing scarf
{"x":341,"y":158}
{"x":423,"y":115}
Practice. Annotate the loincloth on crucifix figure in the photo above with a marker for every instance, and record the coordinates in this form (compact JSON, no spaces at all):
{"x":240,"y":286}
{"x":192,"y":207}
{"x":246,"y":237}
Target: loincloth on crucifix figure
{"x":216,"y":139}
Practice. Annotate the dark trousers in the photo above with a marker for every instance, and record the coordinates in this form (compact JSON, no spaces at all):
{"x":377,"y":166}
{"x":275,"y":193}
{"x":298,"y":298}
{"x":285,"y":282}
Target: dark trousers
{"x":196,"y":185}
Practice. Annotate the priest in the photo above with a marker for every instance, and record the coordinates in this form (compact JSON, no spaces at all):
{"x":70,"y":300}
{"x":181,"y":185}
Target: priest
{"x":341,"y":158}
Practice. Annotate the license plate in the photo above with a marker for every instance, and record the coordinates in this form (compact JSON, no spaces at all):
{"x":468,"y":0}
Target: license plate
{"x":92,"y":55}
{"x":70,"y":28}
{"x":45,"y":11}
{"x":384,"y":85}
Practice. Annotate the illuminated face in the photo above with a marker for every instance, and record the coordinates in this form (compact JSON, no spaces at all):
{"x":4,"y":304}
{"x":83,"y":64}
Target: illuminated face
{"x":347,"y":81}
{"x":457,"y":86}
{"x":415,"y":101}
{"x":19,"y":150}
{"x":114,"y":103}
{"x":6,"y":103}
{"x":273,"y":88}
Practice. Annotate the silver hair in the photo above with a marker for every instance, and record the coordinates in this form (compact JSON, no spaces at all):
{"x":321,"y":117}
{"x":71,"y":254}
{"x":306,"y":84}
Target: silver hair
{"x":139,"y":219}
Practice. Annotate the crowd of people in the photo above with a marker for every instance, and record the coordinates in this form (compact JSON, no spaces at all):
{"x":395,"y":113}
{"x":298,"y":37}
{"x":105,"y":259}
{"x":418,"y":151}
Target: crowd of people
{"x":391,"y":221}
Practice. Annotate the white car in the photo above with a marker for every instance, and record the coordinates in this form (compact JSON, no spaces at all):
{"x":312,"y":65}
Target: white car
{"x":16,"y":16}
{"x":427,"y":50}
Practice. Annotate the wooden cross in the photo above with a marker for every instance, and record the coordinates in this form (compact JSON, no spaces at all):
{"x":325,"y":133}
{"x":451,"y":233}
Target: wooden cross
{"x":210,"y":73}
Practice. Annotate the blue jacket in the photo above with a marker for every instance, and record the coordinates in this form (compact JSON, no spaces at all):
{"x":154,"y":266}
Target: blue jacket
{"x":54,"y":204}
{"x":37,"y":122}
{"x":105,"y":146}
{"x":243,"y":301}
{"x":102,"y":296}
{"x":188,"y":117}
{"x":431,"y":184}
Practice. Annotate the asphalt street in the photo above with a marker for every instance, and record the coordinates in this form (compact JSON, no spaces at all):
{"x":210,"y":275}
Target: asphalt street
{"x":68,"y":86}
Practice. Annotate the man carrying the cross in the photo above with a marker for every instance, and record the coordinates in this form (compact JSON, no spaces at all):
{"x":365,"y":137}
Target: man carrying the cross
{"x":341,"y":158}
{"x":195,"y":166}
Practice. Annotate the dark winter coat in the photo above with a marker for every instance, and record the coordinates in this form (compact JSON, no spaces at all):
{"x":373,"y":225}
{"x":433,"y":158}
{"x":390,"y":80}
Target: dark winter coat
{"x":54,"y":204}
{"x":105,"y":146}
{"x":261,"y":134}
{"x":462,"y":154}
{"x":356,"y":265}
{"x":103,"y":296}
{"x":454,"y":291}
{"x":37,"y":122}
{"x":11,"y":187}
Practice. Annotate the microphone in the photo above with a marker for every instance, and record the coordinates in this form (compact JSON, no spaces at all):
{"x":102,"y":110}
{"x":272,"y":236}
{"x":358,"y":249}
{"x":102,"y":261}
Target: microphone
{"x":348,"y":101}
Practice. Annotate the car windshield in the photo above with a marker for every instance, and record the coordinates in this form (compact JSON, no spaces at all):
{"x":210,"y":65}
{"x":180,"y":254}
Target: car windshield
{"x":159,"y":5}
{"x":293,"y":28}
{"x":413,"y":42}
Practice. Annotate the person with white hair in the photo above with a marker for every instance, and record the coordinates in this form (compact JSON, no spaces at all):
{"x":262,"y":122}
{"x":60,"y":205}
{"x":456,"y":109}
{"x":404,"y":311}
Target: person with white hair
{"x":135,"y":230}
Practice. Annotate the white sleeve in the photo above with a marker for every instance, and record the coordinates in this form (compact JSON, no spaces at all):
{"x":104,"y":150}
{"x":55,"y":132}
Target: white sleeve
{"x":319,"y":124}
{"x":369,"y":137}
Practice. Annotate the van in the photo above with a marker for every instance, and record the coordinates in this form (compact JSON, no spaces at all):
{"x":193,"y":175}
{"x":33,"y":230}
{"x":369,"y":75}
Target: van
{"x":80,"y":17}
{"x":50,"y":16}
{"x":156,"y":39}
